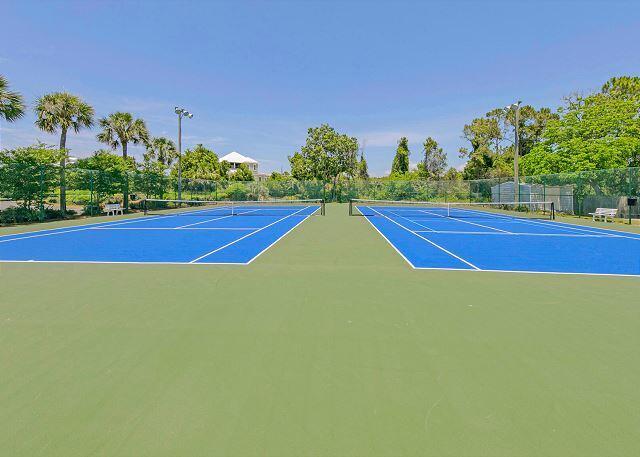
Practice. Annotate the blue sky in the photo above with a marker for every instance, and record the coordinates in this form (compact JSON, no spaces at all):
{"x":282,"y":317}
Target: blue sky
{"x":258,"y":74}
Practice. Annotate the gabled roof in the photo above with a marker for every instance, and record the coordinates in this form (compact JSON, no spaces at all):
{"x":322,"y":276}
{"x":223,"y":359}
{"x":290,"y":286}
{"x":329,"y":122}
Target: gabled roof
{"x":234,"y":157}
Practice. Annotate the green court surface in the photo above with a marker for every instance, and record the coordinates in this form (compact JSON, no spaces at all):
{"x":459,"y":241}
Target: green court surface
{"x":328,"y":344}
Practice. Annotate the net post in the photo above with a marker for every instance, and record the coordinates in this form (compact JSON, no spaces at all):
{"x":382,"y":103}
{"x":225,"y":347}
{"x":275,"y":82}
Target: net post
{"x":553,"y":211}
{"x":322,"y":208}
{"x":145,"y":207}
{"x":351,"y":207}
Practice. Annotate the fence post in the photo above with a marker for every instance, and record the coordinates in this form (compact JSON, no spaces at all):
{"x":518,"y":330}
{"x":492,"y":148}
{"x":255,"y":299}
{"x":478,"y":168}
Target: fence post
{"x":628,"y":193}
{"x":63,"y":187}
{"x":126,"y":191}
{"x":91,"y":194}
{"x":41,"y":187}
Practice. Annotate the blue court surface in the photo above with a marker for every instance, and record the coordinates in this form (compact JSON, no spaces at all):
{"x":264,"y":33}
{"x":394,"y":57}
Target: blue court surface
{"x":212,"y":236}
{"x":474,"y":240}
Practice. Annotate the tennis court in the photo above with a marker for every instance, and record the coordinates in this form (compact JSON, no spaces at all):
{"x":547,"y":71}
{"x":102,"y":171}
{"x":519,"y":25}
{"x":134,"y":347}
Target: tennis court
{"x":499,"y":237}
{"x":171,"y":232}
{"x":330,"y":334}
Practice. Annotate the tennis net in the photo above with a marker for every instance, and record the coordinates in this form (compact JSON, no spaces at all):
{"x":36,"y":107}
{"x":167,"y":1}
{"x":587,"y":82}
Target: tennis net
{"x":233,"y":208}
{"x":417,"y":209}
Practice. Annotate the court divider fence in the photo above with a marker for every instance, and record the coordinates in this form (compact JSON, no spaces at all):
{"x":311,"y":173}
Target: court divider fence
{"x":31,"y":191}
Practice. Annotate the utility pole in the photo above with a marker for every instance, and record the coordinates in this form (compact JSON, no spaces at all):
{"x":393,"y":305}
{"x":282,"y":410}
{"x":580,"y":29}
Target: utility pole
{"x":516,"y":153}
{"x":180,"y":112}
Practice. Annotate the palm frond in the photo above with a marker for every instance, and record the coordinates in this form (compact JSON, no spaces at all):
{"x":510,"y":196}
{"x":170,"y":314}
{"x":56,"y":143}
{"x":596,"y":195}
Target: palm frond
{"x":12,"y":105}
{"x":120,"y":128}
{"x":62,"y":110}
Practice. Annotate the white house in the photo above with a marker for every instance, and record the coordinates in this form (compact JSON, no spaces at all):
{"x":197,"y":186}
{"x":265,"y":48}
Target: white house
{"x":235,"y":159}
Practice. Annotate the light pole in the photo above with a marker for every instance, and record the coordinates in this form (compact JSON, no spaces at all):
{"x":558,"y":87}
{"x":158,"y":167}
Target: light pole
{"x":516,"y":153}
{"x":180,"y":112}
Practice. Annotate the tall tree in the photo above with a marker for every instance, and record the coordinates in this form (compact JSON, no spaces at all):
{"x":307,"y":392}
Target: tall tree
{"x":280,"y":176}
{"x":11,"y":103}
{"x":491,"y":140}
{"x":118,"y":130}
{"x":623,"y":87}
{"x":400,"y":164}
{"x":242,"y":173}
{"x":596,"y":131}
{"x":435,"y":160}
{"x":28,"y":175}
{"x":163,"y":150}
{"x":531,"y":125}
{"x":202,"y":163}
{"x":108,"y":173}
{"x":63,"y":111}
{"x":363,"y":169}
{"x":452,"y":175}
{"x":484,"y":136}
{"x":326,"y":156}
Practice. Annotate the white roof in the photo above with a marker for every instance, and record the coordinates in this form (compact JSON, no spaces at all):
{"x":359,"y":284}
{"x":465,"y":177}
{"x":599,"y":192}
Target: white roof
{"x":234,"y":157}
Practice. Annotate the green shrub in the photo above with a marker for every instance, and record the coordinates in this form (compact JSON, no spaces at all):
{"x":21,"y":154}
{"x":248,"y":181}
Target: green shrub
{"x":17,"y":215}
{"x":23,"y":215}
{"x":237,"y":192}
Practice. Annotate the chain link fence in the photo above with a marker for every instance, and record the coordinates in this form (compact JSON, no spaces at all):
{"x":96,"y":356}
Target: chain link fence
{"x":31,"y":192}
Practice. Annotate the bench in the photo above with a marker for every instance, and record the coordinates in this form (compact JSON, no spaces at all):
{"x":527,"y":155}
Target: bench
{"x":604,"y":213}
{"x":113,"y":208}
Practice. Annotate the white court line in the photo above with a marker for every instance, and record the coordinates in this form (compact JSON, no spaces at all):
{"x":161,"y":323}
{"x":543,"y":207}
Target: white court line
{"x":246,"y":236}
{"x":100,"y":262}
{"x":482,"y":213}
{"x":558,"y":225}
{"x":572,"y":273}
{"x":73,"y":227}
{"x":214,"y":219}
{"x":565,"y":226}
{"x":568,"y":235}
{"x":426,"y":239}
{"x":390,"y":243}
{"x":82,"y":228}
{"x":174,"y":228}
{"x":466,"y":222}
{"x":502,"y":271}
{"x":573,"y":228}
{"x":515,"y":219}
{"x":202,"y":222}
{"x":282,"y":236}
{"x":77,"y":228}
{"x":413,"y":222}
{"x":121,"y":262}
{"x":613,"y":233}
{"x":191,"y":212}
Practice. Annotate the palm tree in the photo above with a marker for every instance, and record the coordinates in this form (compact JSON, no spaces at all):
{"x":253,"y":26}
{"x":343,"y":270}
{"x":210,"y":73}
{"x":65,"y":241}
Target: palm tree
{"x":163,"y":150}
{"x":11,"y":103}
{"x":63,"y":111}
{"x":118,"y":130}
